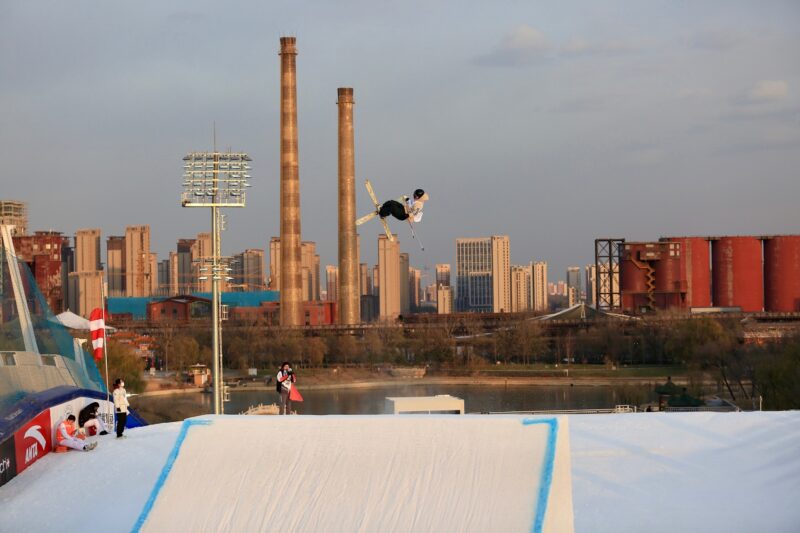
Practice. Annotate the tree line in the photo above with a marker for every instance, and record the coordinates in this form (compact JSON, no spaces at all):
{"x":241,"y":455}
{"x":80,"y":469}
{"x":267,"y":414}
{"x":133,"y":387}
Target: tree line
{"x":708,"y":348}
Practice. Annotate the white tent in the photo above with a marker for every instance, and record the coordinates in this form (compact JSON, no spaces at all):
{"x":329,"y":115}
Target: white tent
{"x":72,"y":321}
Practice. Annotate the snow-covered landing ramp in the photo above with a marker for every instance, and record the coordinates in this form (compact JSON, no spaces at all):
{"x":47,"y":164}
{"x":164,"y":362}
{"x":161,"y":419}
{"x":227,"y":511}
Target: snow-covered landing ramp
{"x":354,"y":473}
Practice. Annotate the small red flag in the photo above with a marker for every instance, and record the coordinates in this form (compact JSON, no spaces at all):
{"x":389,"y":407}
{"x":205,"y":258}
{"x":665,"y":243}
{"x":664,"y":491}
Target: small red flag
{"x":294,"y":394}
{"x":97,"y":325}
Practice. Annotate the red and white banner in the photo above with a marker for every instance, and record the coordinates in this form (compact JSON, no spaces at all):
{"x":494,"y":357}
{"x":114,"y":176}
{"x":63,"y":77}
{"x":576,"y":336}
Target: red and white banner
{"x":97,"y":325}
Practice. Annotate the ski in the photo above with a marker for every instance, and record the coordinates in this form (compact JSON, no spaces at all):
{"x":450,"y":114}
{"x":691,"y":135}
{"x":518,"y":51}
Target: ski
{"x":377,"y":209}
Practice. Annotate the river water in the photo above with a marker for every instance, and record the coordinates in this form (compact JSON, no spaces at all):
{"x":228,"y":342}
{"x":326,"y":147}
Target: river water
{"x":371,"y":400}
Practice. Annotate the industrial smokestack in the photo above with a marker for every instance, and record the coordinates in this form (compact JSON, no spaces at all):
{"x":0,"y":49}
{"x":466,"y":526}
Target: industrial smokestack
{"x":349,"y":300}
{"x":291,"y":265}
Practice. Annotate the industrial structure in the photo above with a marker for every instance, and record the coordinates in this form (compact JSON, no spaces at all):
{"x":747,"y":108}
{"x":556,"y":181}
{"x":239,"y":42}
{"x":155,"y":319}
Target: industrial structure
{"x":738,"y":273}
{"x":349,"y":288}
{"x":291,"y":287}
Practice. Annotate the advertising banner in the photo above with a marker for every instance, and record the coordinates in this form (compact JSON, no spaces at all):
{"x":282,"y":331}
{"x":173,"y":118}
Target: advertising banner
{"x":8,"y":461}
{"x":33,"y":441}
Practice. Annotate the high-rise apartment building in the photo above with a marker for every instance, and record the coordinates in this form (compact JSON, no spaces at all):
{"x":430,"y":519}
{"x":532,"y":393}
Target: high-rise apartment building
{"x":332,"y":282}
{"x":186,"y":270}
{"x":13,"y":213}
{"x":309,"y":269}
{"x":201,"y":253}
{"x":562,"y":289}
{"x":309,"y":260}
{"x":591,"y":283}
{"x":365,"y":281}
{"x":85,"y":286}
{"x":115,"y":263}
{"x":444,"y":300}
{"x":138,"y":261}
{"x":442,"y":277}
{"x":501,"y":273}
{"x":375,"y":280}
{"x":483,"y":273}
{"x":388,"y":278}
{"x":172,"y":288}
{"x":85,"y":292}
{"x":414,"y":287}
{"x":574,"y":282}
{"x":405,"y":306}
{"x":153,"y":273}
{"x":87,"y":250}
{"x":540,"y":286}
{"x":164,"y":277}
{"x":443,"y":274}
{"x":521,"y":288}
{"x":275,"y":263}
{"x":249,"y":271}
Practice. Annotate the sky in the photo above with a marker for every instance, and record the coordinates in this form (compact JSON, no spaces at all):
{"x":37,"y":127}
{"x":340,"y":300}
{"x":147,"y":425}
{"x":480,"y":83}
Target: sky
{"x":552,"y":122}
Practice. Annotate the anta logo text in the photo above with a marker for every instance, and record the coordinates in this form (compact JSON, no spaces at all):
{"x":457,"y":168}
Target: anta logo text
{"x":32,"y":451}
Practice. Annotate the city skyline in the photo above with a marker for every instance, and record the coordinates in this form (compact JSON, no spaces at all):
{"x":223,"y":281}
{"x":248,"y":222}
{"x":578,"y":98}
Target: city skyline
{"x":695,"y":107}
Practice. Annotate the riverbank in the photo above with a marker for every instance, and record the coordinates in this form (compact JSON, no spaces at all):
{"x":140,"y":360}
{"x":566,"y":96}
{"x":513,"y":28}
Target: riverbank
{"x":487,"y":381}
{"x":364,"y":378}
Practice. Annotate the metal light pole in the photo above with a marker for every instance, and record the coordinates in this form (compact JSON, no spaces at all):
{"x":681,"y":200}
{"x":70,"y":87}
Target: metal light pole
{"x":215,"y":180}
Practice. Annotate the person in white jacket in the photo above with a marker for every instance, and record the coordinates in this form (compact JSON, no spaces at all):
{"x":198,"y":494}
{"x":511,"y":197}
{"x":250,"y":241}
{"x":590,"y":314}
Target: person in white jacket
{"x":120,"y":405}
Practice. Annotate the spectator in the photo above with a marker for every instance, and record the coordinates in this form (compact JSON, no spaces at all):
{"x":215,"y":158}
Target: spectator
{"x":88,"y":418}
{"x":283,"y":385}
{"x":71,"y":437}
{"x":120,"y":405}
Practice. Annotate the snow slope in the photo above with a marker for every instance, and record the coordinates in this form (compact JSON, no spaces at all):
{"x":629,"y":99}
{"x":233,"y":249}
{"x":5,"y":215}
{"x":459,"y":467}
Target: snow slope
{"x":356,"y":473}
{"x":651,"y":472}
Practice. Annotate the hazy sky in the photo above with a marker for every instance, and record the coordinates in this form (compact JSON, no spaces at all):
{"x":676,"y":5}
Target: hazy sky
{"x":552,"y":122}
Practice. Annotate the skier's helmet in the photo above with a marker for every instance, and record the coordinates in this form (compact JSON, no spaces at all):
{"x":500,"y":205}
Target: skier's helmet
{"x":419,"y":193}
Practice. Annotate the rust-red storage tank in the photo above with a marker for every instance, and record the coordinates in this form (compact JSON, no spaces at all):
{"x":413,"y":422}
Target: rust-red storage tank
{"x":669,"y":282}
{"x":695,"y":270}
{"x":737,"y":273}
{"x":632,"y":279}
{"x":782,"y":273}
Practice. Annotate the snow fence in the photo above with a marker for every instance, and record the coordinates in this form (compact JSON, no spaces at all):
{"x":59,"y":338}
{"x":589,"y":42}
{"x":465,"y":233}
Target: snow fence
{"x":365,"y":473}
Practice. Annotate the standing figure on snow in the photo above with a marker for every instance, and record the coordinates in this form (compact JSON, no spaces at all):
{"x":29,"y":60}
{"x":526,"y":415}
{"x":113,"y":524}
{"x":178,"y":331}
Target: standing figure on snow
{"x":407,"y":209}
{"x":284,"y":383}
{"x":120,"y":405}
{"x":70,"y":436}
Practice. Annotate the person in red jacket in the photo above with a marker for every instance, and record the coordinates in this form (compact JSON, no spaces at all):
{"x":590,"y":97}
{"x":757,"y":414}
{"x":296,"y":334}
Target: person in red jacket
{"x":68,"y":435}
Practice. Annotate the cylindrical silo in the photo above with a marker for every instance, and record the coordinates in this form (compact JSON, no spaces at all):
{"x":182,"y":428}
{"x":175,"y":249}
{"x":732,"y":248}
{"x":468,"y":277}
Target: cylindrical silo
{"x":632,"y":279}
{"x":737,"y":273}
{"x":695,"y":269}
{"x":782,"y":273}
{"x":668,"y":276}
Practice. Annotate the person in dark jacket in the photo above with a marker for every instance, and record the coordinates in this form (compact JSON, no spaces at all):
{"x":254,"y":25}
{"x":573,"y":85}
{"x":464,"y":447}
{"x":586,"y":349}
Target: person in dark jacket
{"x":285,"y":378}
{"x":88,"y":418}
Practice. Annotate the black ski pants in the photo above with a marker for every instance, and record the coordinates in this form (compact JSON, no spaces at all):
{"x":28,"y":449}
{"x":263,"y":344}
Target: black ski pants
{"x":394,"y":208}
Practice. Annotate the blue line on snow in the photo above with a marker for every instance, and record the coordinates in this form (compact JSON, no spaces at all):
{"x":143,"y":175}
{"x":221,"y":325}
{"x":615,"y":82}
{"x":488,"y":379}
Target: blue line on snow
{"x":162,"y":478}
{"x":547,"y":471}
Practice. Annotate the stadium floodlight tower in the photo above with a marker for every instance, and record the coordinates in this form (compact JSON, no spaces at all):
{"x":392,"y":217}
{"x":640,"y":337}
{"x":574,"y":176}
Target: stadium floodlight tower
{"x":215,"y":180}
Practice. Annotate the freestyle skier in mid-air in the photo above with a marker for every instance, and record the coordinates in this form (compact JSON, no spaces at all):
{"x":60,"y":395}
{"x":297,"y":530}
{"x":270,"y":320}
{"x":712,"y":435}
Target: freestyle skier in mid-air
{"x":407,"y":209}
{"x":402,"y":209}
